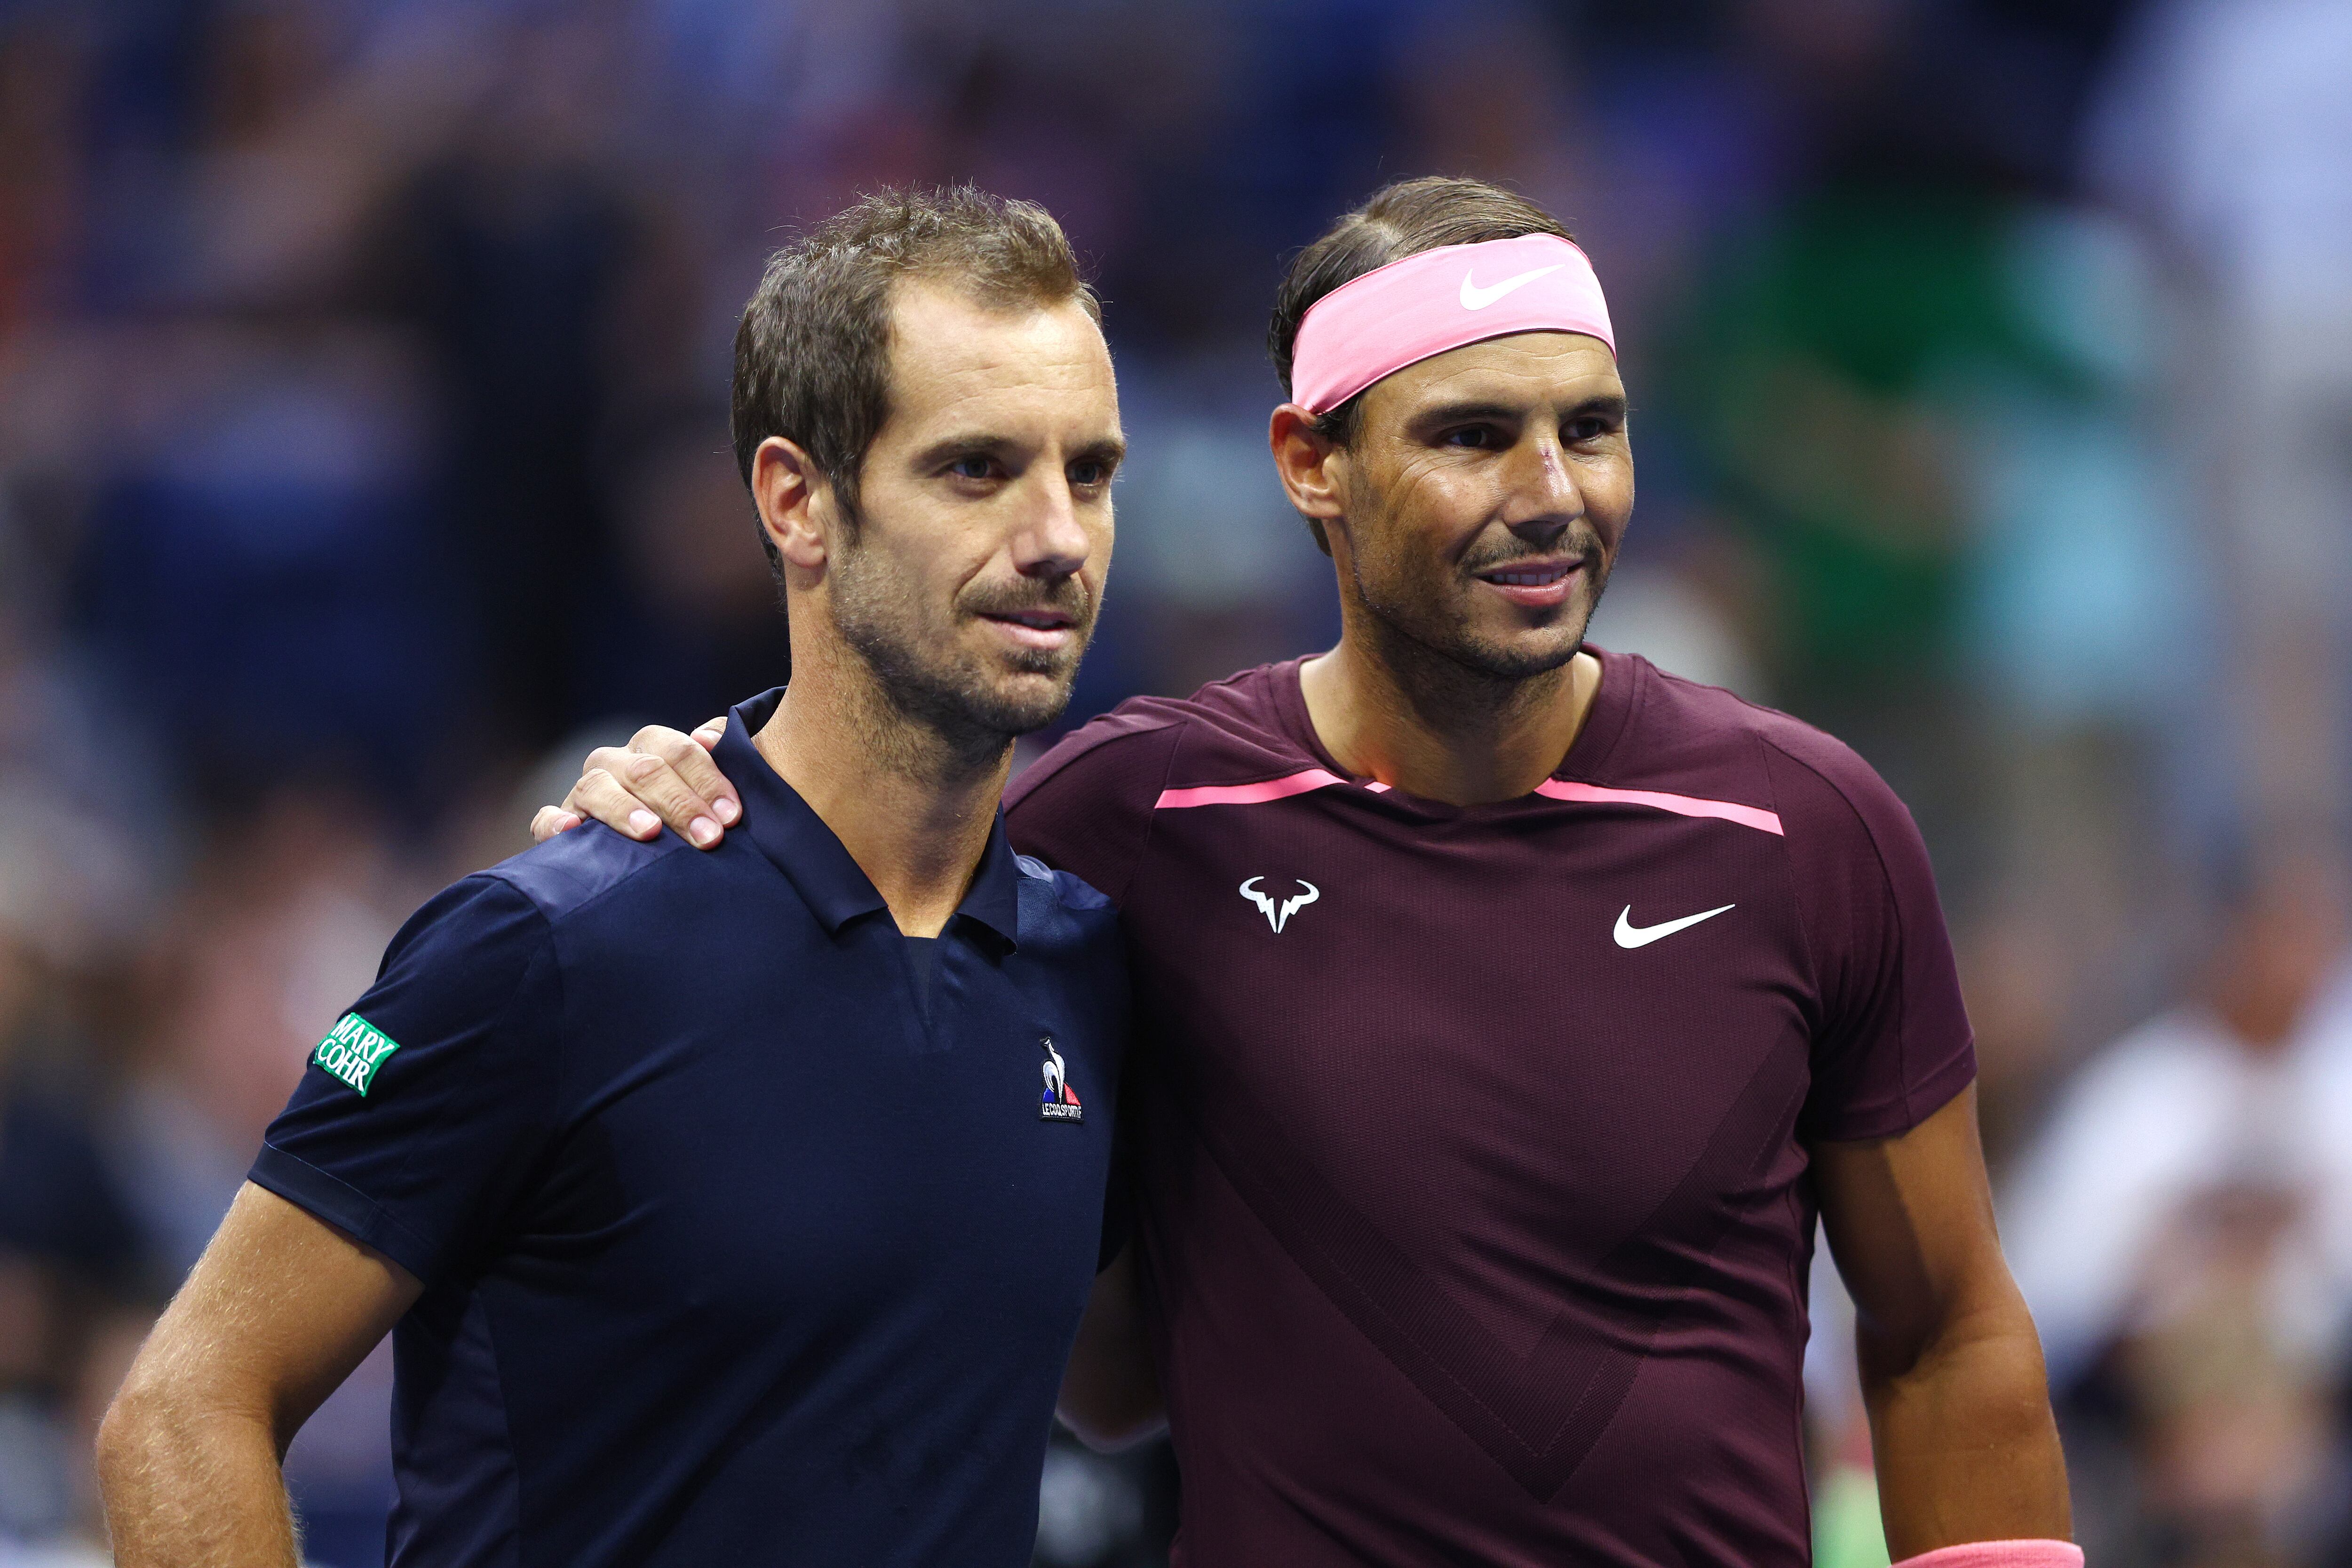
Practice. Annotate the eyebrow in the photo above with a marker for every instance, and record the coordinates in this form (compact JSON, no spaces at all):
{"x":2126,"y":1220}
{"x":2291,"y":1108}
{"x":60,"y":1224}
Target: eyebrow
{"x":1110,"y":449}
{"x":950,"y":448}
{"x":1607,"y":403}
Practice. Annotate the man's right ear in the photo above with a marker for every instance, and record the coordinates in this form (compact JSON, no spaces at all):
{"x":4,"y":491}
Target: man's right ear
{"x":1305,"y":461}
{"x":792,"y":493}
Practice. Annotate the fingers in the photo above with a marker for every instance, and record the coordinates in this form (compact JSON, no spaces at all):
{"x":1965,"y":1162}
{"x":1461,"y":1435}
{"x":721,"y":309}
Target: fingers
{"x":688,"y":757}
{"x":664,"y":778}
{"x":550,"y":821}
{"x":601,"y":795}
{"x":636,"y":791}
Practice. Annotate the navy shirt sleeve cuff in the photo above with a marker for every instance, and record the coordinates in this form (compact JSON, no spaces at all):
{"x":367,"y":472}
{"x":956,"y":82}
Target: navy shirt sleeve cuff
{"x":344,"y":1206}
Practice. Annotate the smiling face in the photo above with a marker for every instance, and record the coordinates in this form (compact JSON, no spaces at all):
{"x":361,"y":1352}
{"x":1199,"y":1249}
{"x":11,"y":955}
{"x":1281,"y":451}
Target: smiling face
{"x":970,"y":572}
{"x":1481,"y":505}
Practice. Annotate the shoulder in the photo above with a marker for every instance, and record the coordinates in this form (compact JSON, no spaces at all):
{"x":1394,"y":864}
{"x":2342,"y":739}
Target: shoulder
{"x":1822,"y":783}
{"x":575,"y":870}
{"x":1088,"y":805}
{"x":1064,"y":890}
{"x":500,"y":921}
{"x":1819,"y":787}
{"x":1065,"y":918}
{"x":495,"y":947}
{"x":1134,"y":751}
{"x":1123,"y":753}
{"x":1070,"y":938}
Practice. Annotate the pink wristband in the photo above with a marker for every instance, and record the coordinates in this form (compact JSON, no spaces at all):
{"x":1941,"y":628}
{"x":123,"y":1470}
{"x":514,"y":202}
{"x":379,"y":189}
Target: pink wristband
{"x":1999,"y":1554}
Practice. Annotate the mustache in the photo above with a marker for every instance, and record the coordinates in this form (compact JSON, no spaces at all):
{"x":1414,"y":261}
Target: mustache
{"x":1065,"y":596}
{"x":1585,"y":547}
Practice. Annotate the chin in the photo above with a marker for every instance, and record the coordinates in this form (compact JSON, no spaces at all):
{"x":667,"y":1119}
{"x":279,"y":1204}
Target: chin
{"x":1519,"y":653}
{"x":1022,"y":715}
{"x":1491,"y":642}
{"x":1514,"y":661}
{"x":1021,"y":703}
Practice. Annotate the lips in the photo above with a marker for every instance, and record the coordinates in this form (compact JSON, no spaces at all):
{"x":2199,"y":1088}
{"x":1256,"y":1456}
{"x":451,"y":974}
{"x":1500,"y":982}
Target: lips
{"x":1034,"y":628}
{"x":1534,"y":583}
{"x":1529,"y":579}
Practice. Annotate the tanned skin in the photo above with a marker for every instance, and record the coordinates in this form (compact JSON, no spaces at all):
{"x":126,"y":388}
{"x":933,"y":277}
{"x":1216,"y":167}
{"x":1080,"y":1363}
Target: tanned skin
{"x":985,"y":503}
{"x":1110,"y":1391}
{"x":1511,"y":459}
{"x":973,"y":567}
{"x":278,"y":1311}
{"x":1951,"y":1368}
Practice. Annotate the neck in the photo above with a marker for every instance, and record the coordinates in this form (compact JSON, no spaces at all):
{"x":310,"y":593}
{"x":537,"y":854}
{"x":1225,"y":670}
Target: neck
{"x":913,"y":806}
{"x":1392,"y":710}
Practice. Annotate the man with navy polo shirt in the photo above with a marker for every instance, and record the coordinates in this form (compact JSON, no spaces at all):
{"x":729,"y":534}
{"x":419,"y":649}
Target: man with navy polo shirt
{"x":780,"y":1265}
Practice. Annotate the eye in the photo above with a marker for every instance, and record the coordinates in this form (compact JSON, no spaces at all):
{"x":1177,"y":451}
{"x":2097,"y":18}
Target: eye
{"x":974,"y":467}
{"x":1479,"y":437}
{"x":1589,"y":427}
{"x":1089,"y":472}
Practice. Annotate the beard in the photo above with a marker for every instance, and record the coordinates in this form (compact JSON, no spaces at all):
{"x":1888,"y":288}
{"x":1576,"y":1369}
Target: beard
{"x":975,"y":703}
{"x":1414,"y":612}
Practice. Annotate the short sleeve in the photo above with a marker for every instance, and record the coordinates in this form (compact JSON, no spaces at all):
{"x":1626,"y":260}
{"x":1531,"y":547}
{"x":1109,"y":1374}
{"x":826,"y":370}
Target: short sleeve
{"x":425,"y":1107}
{"x":1892,"y":1044}
{"x":1086,"y":806}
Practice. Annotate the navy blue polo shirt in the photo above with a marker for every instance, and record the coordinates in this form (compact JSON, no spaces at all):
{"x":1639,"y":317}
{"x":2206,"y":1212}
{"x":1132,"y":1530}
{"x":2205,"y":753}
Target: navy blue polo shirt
{"x":733,"y":1250}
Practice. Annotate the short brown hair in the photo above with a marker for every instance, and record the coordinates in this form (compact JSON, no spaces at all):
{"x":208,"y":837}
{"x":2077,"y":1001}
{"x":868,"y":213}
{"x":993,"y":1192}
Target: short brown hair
{"x":1402,"y":219}
{"x":812,"y":351}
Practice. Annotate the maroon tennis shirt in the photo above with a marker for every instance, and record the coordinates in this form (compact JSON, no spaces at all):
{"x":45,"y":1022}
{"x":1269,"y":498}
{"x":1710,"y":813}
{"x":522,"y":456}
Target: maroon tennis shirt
{"x":1470,"y":1141}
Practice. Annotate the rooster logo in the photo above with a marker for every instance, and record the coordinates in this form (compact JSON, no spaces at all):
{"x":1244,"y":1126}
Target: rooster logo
{"x":1278,"y":915}
{"x":1061,"y":1101}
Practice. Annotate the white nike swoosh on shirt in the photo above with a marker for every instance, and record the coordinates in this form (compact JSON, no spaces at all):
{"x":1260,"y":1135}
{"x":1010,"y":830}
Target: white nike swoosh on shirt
{"x":1631,"y":935}
{"x":1476,"y":298}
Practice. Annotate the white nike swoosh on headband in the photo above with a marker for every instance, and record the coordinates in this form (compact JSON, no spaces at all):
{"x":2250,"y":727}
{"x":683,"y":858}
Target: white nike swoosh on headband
{"x":1476,"y":298}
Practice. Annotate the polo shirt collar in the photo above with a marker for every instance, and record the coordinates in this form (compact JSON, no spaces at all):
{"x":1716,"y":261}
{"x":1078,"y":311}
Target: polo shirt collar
{"x":789,"y":833}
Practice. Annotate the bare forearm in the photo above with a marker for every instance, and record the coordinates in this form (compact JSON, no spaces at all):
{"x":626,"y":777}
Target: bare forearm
{"x":1966,"y":1447}
{"x":1110,"y":1396}
{"x":272,"y":1318}
{"x":191,"y":1487}
{"x":1112,"y":1408}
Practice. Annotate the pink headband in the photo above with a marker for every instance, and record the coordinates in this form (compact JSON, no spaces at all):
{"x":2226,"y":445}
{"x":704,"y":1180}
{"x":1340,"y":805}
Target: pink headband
{"x":1403,"y":314}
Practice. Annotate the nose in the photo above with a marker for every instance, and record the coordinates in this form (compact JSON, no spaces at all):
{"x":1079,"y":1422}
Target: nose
{"x":1543,"y":501}
{"x":1052,"y":540}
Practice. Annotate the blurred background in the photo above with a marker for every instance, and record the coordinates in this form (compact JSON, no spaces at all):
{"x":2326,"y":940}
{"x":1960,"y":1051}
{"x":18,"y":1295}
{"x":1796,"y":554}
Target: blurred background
{"x":363,"y":460}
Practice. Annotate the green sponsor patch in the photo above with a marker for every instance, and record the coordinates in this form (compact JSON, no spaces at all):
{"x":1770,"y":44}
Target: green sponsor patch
{"x":354,"y":1049}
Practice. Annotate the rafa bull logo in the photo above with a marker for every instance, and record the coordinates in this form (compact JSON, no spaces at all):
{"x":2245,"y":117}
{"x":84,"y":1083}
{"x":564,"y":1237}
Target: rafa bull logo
{"x":1278,"y":915}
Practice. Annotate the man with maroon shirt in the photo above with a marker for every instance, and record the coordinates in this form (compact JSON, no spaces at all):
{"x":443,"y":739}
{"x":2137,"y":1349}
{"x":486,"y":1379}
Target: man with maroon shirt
{"x":1511,"y":1009}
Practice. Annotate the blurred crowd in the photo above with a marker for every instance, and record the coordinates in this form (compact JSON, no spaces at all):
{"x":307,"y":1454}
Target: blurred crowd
{"x":363,"y":460}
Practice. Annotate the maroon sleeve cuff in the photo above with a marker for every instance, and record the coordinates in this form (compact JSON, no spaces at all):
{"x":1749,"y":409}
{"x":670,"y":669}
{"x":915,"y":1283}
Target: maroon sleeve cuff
{"x":1891,"y":1118}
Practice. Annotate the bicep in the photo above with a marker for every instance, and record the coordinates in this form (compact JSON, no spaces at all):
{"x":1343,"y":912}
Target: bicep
{"x":1910,"y":1222}
{"x":277,"y":1313}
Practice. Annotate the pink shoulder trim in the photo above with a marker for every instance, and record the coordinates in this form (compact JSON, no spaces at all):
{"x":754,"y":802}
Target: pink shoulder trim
{"x":1680,"y":805}
{"x":1249,"y":794}
{"x":1556,"y":789}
